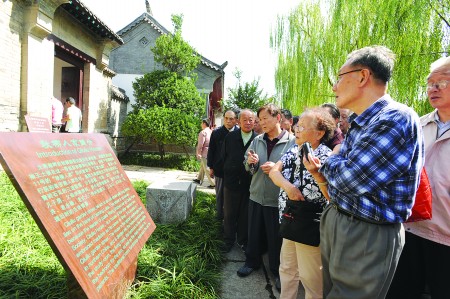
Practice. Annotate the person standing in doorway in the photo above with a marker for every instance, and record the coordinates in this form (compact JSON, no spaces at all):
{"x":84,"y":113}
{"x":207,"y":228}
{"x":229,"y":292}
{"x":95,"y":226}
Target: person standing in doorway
{"x":73,"y":116}
{"x":202,"y":153}
{"x":214,"y":159}
{"x":57,"y":114}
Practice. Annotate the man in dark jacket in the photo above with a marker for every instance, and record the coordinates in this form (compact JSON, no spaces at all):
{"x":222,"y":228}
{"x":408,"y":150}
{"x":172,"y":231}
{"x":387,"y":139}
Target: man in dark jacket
{"x":214,"y":159}
{"x":237,"y":181}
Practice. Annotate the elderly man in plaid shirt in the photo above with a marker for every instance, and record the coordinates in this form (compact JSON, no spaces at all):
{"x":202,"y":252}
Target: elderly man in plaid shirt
{"x":372,"y":180}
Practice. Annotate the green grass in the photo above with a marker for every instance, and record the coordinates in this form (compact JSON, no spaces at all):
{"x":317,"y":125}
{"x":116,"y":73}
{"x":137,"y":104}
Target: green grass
{"x":178,"y":261}
{"x":141,"y":189}
{"x":28,"y":266}
{"x":171,"y":161}
{"x":181,"y":260}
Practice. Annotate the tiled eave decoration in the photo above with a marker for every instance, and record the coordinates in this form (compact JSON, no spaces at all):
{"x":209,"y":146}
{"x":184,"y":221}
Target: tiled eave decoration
{"x":80,"y":12}
{"x":119,"y":94}
{"x":109,"y":72}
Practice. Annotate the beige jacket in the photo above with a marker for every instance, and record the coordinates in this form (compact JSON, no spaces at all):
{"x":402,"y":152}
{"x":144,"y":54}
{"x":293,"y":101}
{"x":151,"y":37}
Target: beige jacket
{"x":437,"y":164}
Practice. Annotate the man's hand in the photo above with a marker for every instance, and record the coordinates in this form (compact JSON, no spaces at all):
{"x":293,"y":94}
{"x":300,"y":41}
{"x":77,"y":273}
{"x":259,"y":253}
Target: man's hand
{"x":252,"y":158}
{"x":313,"y":167}
{"x":266,"y":167}
{"x":211,"y":173}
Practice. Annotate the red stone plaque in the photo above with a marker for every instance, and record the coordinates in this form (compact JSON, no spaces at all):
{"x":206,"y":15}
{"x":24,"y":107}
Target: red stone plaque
{"x":38,"y":124}
{"x":83,"y":202}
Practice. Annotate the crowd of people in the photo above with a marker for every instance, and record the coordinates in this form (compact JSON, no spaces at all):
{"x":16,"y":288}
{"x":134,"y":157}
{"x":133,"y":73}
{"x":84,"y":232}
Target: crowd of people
{"x":349,"y":171}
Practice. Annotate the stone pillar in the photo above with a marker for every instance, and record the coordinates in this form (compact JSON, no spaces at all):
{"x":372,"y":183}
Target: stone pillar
{"x":37,"y":60}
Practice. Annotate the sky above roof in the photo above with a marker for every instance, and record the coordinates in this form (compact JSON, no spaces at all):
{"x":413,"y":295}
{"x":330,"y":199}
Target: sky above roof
{"x":237,"y":31}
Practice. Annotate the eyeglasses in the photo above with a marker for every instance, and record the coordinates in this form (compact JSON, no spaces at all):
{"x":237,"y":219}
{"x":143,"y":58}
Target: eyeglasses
{"x":301,"y":129}
{"x":439,"y":85}
{"x":342,"y":74}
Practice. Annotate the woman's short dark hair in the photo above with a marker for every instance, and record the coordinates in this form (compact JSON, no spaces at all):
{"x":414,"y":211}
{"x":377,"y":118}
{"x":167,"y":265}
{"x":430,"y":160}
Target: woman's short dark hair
{"x":332,"y":109}
{"x":206,"y":121}
{"x":322,"y":121}
{"x":286,"y":113}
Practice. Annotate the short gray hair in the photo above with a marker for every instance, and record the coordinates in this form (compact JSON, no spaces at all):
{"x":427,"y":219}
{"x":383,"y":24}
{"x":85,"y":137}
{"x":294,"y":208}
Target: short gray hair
{"x":379,"y":59}
{"x":243,"y":110}
{"x":442,"y":63}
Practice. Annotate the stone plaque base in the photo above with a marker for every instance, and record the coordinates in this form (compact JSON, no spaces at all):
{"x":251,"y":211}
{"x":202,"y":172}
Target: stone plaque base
{"x":170,"y":202}
{"x":118,"y":291}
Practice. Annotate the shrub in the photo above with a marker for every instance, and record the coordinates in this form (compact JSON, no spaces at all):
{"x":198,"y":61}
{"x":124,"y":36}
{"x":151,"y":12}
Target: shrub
{"x":162,"y":125}
{"x":171,"y":161}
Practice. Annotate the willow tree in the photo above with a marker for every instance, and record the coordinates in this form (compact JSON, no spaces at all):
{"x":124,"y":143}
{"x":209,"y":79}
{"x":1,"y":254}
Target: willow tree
{"x":314,"y":40}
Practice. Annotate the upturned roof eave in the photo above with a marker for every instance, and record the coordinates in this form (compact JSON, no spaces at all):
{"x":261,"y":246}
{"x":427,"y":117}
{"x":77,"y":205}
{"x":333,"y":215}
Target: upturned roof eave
{"x":85,"y":16}
{"x":145,"y":17}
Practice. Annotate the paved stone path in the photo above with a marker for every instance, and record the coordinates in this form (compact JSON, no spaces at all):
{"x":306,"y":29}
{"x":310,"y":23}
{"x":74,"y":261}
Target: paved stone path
{"x":258,"y":285}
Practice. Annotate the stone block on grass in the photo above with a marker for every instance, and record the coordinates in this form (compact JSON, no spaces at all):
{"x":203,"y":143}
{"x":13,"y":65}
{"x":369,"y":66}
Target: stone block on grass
{"x":170,"y":202}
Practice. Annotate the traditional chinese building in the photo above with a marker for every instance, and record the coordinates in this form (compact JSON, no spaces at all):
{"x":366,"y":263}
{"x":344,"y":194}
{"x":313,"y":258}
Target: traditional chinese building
{"x":57,"y":48}
{"x":134,"y":58}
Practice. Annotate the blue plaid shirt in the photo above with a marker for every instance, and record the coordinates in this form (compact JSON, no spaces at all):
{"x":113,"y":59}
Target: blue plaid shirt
{"x":376,"y":173}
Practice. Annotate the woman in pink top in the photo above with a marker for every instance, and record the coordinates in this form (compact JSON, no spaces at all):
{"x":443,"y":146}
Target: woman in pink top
{"x":202,"y":153}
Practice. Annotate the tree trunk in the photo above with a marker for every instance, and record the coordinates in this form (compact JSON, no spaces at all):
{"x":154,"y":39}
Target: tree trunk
{"x":127,"y":150}
{"x":162,"y":151}
{"x":186,"y":151}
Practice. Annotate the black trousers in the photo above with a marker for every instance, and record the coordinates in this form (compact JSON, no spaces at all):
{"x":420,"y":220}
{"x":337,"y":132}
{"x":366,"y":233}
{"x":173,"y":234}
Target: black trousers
{"x":422,"y":262}
{"x":235,"y":215}
{"x":263,"y":232}
{"x":219,"y":197}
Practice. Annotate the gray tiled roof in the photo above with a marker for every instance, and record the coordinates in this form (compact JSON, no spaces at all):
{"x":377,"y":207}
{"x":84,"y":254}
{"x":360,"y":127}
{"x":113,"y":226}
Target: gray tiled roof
{"x":86,"y":17}
{"x":147,"y":18}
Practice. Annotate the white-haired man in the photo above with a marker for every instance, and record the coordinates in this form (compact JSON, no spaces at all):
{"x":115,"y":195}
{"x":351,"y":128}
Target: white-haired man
{"x":425,"y":260}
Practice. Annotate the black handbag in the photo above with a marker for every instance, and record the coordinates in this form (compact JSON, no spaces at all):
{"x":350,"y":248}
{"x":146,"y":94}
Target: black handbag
{"x":300,"y":220}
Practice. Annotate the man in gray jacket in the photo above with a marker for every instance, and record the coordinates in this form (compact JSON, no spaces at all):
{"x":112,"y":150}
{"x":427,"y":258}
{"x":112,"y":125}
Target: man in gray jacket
{"x":263,"y":225}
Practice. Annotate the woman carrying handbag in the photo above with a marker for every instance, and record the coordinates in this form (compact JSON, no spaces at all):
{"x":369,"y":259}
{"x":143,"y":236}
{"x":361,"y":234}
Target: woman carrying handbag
{"x":301,"y":202}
